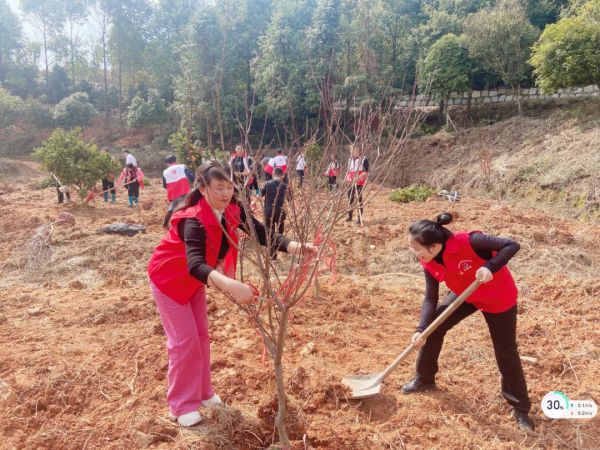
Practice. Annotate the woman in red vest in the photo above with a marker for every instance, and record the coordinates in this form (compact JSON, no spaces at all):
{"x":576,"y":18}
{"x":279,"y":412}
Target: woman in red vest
{"x":458,"y":259}
{"x":196,"y":253}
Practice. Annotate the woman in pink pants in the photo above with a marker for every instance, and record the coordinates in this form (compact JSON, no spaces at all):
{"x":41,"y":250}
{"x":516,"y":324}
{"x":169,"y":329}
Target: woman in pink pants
{"x":199,"y":250}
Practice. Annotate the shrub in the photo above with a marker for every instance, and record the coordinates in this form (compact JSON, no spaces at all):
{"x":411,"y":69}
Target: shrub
{"x":74,"y":111}
{"x":73,"y":161}
{"x":147,"y":112}
{"x":415,"y":193}
{"x":11,"y":107}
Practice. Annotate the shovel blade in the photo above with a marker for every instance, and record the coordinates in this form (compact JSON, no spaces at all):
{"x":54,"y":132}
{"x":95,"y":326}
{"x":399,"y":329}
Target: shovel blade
{"x":363,"y":386}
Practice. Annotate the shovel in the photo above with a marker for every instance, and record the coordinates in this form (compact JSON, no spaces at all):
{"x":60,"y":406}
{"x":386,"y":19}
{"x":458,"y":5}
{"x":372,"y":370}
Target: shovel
{"x":368,"y":385}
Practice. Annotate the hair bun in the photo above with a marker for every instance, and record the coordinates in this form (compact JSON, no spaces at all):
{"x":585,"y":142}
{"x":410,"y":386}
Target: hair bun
{"x":444,"y":219}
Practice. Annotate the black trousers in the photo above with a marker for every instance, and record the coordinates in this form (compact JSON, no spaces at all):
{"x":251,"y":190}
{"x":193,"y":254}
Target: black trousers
{"x":301,"y":176}
{"x":133,"y":189}
{"x":108,"y":184}
{"x":61,"y":196}
{"x":503,"y":331}
{"x":331,"y":180}
{"x":274,"y":222}
{"x":355,"y":192}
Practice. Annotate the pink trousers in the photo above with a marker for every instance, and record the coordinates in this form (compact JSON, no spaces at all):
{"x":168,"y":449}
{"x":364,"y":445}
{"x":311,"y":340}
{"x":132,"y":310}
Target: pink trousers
{"x":188,"y":347}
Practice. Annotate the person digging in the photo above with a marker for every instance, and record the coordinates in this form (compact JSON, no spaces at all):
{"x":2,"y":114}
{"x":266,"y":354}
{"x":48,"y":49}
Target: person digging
{"x":176,"y":180}
{"x":356,"y":175}
{"x":200,"y":251}
{"x":458,"y":259}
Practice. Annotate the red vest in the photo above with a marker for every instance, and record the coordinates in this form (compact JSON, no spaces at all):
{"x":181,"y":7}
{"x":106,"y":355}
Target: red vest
{"x":176,"y":180}
{"x":460,"y":264}
{"x":168,"y":269}
{"x":269,"y":166}
{"x":281,"y":162}
{"x":356,"y":171}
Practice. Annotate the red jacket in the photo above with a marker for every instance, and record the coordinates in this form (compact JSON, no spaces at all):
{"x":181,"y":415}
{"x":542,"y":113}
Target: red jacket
{"x":168,"y":269}
{"x":460,"y":264}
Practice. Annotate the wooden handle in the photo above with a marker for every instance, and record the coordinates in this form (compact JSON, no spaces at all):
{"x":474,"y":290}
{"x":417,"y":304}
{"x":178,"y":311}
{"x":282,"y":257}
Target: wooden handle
{"x":431,"y":328}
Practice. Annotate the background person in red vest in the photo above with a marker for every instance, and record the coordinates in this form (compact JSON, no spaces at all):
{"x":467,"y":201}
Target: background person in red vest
{"x":358,"y":171}
{"x":458,"y":259}
{"x":332,"y":172}
{"x":280,"y":161}
{"x":176,"y":180}
{"x":195,"y":253}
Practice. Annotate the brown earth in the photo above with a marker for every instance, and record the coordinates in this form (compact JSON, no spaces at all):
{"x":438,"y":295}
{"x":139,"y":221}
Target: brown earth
{"x":545,"y":159}
{"x":83,"y":360}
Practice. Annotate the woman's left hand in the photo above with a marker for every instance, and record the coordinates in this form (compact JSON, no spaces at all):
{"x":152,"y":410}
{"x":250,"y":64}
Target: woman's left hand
{"x":483,"y":275}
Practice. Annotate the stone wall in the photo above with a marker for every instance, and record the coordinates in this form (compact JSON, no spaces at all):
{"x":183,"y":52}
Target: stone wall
{"x":501,"y":96}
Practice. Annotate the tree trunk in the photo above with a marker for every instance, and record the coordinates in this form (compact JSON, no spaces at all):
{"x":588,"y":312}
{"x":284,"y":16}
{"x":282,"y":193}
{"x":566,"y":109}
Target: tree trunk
{"x":105,"y":63}
{"x":45,"y":53}
{"x":517,"y":89}
{"x":120,"y":82}
{"x":441,"y":112}
{"x":72,"y":54}
{"x":278,"y":366}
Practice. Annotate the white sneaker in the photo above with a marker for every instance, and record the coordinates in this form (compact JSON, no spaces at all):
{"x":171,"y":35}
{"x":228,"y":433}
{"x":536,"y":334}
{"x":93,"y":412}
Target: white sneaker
{"x":215,"y":400}
{"x":190,"y":419}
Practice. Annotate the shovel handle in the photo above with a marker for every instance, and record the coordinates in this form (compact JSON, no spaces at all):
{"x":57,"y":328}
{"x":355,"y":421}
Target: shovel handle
{"x":431,"y":328}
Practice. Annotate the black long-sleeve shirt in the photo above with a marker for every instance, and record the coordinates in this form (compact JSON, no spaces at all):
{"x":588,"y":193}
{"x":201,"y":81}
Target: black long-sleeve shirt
{"x":274,"y":192}
{"x":484,"y":246}
{"x":193,"y":234}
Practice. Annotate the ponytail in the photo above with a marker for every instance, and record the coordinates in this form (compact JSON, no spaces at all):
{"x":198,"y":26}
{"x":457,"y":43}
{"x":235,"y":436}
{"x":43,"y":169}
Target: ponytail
{"x":429,"y":232}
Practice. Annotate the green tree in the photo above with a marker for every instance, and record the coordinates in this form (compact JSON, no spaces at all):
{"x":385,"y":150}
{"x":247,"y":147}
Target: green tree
{"x":445,"y":69}
{"x":58,"y":84}
{"x":501,"y":38}
{"x":543,"y":12}
{"x":73,"y":161}
{"x":74,"y":111}
{"x":127,"y":41}
{"x":167,"y":29}
{"x":10,"y":37}
{"x":74,"y":13}
{"x":281,"y":68}
{"x":46,"y":16}
{"x":11,"y":108}
{"x":38,"y":114}
{"x":568,"y":52}
{"x":146,"y":112}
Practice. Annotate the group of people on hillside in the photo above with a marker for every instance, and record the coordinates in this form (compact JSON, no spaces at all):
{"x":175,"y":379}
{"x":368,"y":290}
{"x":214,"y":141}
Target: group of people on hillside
{"x":200,"y":251}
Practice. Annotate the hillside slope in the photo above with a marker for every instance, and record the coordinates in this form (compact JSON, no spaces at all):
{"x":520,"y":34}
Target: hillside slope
{"x":549,"y":159}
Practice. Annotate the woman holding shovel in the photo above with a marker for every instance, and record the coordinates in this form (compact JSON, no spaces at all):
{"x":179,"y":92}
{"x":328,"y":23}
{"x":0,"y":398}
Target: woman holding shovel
{"x":458,"y":259}
{"x":200,"y":250}
{"x":132,"y":178}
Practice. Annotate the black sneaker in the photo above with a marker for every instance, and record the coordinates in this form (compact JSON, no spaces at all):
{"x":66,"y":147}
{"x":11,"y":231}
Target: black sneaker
{"x":524,"y":422}
{"x":417,"y":385}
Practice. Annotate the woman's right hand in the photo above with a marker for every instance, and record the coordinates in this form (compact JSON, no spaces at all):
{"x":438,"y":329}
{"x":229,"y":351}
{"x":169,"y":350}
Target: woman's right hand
{"x":417,"y":340}
{"x":242,"y":293}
